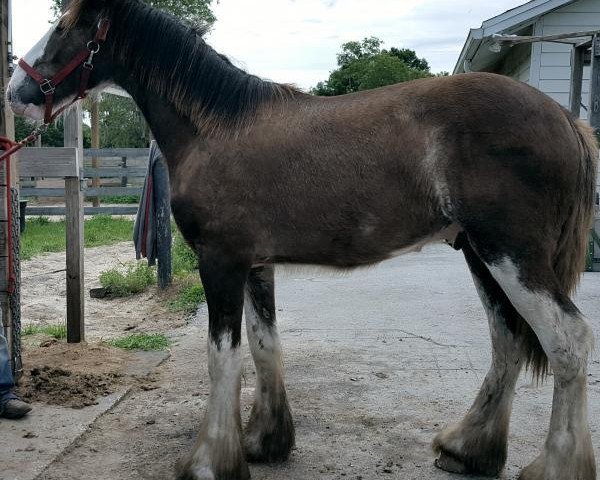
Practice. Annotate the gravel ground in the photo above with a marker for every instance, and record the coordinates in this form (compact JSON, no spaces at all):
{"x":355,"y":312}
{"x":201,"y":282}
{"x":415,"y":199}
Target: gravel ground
{"x":377,"y":362}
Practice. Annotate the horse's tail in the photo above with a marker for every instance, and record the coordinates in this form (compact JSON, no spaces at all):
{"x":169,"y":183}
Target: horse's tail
{"x":569,"y":258}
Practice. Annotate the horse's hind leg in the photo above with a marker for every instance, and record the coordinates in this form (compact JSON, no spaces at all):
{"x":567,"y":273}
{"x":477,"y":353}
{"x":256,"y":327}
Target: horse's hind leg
{"x":269,"y":436}
{"x":478,"y":444}
{"x":567,"y":341}
{"x":218,"y":454}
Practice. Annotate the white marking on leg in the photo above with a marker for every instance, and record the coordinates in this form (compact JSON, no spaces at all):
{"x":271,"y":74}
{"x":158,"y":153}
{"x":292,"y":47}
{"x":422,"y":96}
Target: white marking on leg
{"x":221,"y":427}
{"x":266,"y":351}
{"x":567,"y":340}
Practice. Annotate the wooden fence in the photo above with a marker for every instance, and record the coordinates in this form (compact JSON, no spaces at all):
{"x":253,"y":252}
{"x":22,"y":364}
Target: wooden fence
{"x":122,"y":174}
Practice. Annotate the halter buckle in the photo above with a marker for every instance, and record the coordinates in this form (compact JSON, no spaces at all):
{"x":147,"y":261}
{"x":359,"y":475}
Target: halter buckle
{"x":47,"y":87}
{"x":93,"y":46}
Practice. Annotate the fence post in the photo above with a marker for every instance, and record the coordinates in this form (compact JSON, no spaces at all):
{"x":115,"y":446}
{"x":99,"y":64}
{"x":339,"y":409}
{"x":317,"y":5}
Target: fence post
{"x":74,"y":226}
{"x":162,"y":203}
{"x":595,"y":85}
{"x":124,"y":179}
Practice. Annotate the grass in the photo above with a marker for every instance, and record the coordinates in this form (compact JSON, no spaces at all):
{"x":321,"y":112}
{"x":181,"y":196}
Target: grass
{"x":188,"y":299}
{"x":141,"y":341}
{"x":55,"y":331}
{"x":134,"y":278}
{"x":43,"y":236}
{"x":122,"y":199}
{"x":184,"y":260}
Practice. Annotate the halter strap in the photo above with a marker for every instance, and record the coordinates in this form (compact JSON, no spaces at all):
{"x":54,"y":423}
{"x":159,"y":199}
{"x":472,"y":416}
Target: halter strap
{"x":84,"y":58}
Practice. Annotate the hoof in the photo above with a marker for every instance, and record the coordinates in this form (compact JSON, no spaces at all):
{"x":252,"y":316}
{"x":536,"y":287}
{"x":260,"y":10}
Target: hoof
{"x":465,"y":451}
{"x":541,"y":469}
{"x":270,"y":437}
{"x":187,"y":471}
{"x":449,"y":464}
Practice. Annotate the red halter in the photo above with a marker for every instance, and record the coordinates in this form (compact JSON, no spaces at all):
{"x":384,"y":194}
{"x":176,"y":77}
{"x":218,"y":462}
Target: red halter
{"x":48,"y":87}
{"x":83,"y":58}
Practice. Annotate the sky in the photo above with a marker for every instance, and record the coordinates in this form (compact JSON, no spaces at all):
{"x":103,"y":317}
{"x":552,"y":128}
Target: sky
{"x":296,"y":41}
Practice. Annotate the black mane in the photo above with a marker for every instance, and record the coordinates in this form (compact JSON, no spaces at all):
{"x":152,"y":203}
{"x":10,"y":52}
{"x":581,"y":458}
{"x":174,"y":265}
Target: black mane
{"x":172,"y":59}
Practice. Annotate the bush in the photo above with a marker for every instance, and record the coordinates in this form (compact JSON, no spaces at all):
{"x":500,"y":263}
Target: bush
{"x":135,"y":279}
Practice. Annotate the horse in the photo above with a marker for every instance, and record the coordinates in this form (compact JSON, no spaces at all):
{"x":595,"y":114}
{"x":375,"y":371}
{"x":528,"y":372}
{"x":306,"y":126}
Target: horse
{"x":264,"y":174}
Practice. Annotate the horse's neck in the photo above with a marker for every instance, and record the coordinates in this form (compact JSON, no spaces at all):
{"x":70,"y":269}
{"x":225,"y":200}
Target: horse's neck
{"x":172,"y":131}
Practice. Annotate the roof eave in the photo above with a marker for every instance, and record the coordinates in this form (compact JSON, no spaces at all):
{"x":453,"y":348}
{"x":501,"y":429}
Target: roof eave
{"x":469,"y":48}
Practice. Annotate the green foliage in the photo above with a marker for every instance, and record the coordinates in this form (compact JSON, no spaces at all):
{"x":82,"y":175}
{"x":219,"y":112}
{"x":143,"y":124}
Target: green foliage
{"x":180,"y":8}
{"x":54,"y":136}
{"x":188,"y":299}
{"x":141,"y":341}
{"x":122,"y":125}
{"x":364,"y":65}
{"x":183,"y":257}
{"x":43,"y":235}
{"x":55,"y":331}
{"x":122,"y":199}
{"x":135,"y":278}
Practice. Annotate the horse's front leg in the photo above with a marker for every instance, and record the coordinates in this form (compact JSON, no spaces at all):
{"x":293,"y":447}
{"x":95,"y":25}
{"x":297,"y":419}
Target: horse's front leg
{"x":269,"y":436}
{"x":218,"y":454}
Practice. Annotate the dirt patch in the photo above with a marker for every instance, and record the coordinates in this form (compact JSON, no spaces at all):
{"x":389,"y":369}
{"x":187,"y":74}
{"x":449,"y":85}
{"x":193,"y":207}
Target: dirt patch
{"x":57,"y":386}
{"x":43,"y":299}
{"x":74,"y":376}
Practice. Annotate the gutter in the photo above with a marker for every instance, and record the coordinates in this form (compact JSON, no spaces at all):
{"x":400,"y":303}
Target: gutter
{"x":470,"y":48}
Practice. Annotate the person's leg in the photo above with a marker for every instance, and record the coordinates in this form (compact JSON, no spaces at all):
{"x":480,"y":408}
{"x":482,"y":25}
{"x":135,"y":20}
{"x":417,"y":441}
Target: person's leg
{"x":6,"y":378}
{"x":11,"y":406}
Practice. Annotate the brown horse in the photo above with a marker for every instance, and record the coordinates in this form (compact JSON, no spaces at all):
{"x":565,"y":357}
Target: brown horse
{"x":263,"y":174}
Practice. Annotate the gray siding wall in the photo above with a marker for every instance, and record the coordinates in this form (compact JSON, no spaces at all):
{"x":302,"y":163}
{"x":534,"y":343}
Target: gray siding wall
{"x":554,"y":75}
{"x":517,"y":64}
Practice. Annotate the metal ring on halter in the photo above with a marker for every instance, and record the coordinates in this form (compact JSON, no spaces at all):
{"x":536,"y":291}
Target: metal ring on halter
{"x":93,"y":46}
{"x":47,"y":87}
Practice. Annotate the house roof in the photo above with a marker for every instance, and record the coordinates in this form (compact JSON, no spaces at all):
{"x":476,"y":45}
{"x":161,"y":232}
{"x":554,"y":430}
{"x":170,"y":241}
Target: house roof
{"x":476,"y":49}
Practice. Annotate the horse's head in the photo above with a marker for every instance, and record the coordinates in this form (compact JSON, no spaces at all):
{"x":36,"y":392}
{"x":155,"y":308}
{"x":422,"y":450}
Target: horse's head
{"x":63,"y":52}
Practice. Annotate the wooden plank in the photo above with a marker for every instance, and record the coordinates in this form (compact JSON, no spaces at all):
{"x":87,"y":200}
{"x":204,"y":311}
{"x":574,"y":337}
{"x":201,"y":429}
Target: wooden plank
{"x":3,"y":213}
{"x":74,"y":226}
{"x":113,"y":191}
{"x":3,"y":173}
{"x":116,"y":152}
{"x":3,"y":242}
{"x":3,"y":278}
{"x":49,"y":162}
{"x":577,"y":80}
{"x":60,"y":211}
{"x":104,"y":172}
{"x":91,"y":192}
{"x":594,"y":110}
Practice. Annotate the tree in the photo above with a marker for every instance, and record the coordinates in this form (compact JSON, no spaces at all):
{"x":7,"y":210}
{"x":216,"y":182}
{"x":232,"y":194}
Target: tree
{"x":54,"y":136}
{"x":189,"y":9}
{"x":121,"y":123}
{"x":364,"y":65}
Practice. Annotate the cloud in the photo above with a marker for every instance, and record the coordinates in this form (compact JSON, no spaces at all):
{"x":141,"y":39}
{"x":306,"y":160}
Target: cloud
{"x":297,"y":41}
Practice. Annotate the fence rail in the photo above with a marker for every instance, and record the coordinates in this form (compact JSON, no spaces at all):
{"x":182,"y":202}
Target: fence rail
{"x":128,"y":166}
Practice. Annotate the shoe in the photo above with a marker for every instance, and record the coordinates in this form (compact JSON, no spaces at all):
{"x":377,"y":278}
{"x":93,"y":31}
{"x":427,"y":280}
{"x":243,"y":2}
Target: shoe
{"x":14,"y":409}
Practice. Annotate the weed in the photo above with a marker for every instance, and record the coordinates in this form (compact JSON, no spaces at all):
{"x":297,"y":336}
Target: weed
{"x":55,"y":331}
{"x":188,"y":299}
{"x":141,"y":341}
{"x":134,"y":279}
